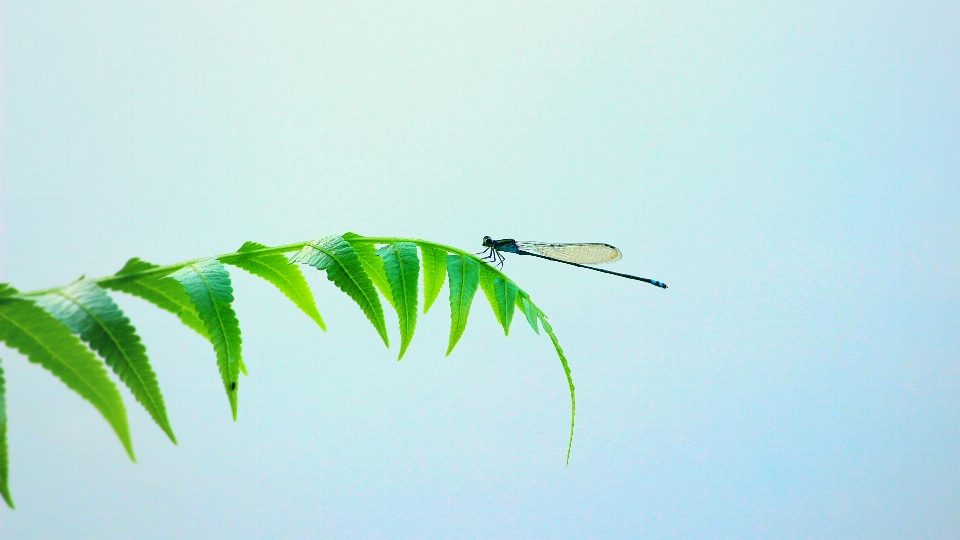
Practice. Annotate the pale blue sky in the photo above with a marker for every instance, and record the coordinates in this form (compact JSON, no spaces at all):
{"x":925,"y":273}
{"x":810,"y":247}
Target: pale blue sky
{"x":789,"y":169}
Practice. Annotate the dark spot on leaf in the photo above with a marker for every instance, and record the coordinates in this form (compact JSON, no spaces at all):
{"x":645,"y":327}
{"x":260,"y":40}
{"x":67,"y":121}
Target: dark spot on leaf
{"x":233,"y":386}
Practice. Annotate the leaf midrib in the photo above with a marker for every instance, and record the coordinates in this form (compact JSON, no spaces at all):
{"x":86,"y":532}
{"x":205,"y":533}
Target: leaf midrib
{"x":462,"y":314}
{"x":406,"y":300}
{"x":380,"y":328}
{"x":290,"y":285}
{"x":502,"y":304}
{"x":161,"y":292}
{"x":116,"y":343}
{"x":155,"y":288}
{"x":216,"y":309}
{"x":432,"y":255}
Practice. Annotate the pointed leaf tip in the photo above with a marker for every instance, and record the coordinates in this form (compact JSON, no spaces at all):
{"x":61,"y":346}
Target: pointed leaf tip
{"x":40,"y":337}
{"x":88,"y":311}
{"x":207,"y":283}
{"x":276,"y":269}
{"x":346,"y":270}
{"x":402,"y":269}
{"x":566,"y":370}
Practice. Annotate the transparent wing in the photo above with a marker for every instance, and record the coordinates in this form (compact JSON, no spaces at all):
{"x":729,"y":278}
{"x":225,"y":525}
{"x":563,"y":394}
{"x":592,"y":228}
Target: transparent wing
{"x":575,"y":253}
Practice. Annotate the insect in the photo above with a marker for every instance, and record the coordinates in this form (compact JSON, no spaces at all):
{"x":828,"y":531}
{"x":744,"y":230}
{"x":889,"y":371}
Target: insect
{"x":233,"y":386}
{"x":573,"y":254}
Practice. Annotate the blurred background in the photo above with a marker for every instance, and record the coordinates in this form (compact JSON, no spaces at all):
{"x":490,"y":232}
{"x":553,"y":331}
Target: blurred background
{"x":789,"y":169}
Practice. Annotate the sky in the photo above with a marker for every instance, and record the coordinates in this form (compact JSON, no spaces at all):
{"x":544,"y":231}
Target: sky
{"x":788,"y":169}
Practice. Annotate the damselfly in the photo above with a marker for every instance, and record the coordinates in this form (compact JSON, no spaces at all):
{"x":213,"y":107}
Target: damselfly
{"x":575,"y":254}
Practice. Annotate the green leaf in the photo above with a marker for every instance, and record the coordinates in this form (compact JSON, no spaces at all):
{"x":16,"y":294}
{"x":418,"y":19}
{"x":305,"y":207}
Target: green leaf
{"x":566,"y":369}
{"x":163,"y":293}
{"x":464,"y":275}
{"x":372,"y":264}
{"x":502,"y":295}
{"x":346,"y":271}
{"x":207,"y":283}
{"x":486,"y":283}
{"x":402,"y":267}
{"x":506,"y":291}
{"x":434,"y":273}
{"x":287,"y":277}
{"x":529,"y":310}
{"x":29,"y":329}
{"x":89,"y":312}
{"x":4,"y":462}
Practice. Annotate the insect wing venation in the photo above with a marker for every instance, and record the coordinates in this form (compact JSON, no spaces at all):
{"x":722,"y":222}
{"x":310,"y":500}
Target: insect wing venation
{"x":575,"y":253}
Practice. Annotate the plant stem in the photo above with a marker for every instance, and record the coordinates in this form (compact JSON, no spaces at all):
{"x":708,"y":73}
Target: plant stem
{"x":234,"y":256}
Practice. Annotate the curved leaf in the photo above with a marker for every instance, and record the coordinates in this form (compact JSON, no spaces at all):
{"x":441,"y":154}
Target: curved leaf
{"x":464,"y":275}
{"x":26,"y":327}
{"x":207,"y":283}
{"x":402,"y":267}
{"x":203,"y":300}
{"x":276,"y":269}
{"x":566,"y":369}
{"x":346,"y":271}
{"x":163,"y":293}
{"x":89,"y":312}
{"x":4,"y":463}
{"x":372,"y":264}
{"x":502,"y":295}
{"x":434,"y":273}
